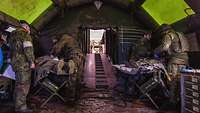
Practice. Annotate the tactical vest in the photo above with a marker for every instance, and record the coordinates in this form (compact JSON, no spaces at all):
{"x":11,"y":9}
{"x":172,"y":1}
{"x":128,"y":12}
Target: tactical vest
{"x":179,"y":43}
{"x":183,"y":42}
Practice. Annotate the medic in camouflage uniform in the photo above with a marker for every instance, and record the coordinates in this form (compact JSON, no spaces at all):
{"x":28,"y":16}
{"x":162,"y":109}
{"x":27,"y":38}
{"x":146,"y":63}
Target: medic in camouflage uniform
{"x":22,"y":60}
{"x":67,"y":49}
{"x":176,"y":45}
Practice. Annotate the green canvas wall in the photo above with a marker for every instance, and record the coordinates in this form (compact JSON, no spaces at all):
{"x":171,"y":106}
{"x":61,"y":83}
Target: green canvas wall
{"x":166,"y":11}
{"x":162,"y":11}
{"x":27,"y":10}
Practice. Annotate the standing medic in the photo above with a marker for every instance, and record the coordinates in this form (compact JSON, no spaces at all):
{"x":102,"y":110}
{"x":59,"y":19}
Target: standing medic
{"x":67,"y":48}
{"x":22,"y":60}
{"x":176,"y":45}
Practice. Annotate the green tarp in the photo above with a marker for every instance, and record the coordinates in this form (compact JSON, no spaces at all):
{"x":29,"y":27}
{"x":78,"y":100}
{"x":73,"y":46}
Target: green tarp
{"x":166,"y":11}
{"x":27,"y":10}
{"x":163,"y":11}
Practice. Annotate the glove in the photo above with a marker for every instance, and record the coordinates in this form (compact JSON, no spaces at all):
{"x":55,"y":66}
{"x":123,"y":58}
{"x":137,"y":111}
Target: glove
{"x":71,"y":66}
{"x":60,"y":66}
{"x":157,"y":55}
{"x":32,"y":65}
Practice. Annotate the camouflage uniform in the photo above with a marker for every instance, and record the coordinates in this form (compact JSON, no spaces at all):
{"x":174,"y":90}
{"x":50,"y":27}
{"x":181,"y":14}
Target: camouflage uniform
{"x":177,"y":46}
{"x":68,"y":49}
{"x":46,"y":64}
{"x":21,"y":57}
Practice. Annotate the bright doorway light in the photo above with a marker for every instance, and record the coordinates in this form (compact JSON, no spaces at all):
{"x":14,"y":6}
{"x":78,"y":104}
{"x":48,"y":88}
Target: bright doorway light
{"x":96,"y":37}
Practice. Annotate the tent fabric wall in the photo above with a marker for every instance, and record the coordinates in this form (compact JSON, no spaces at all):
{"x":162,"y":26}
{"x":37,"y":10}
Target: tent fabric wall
{"x":166,"y":11}
{"x":27,"y":10}
{"x":162,"y":11}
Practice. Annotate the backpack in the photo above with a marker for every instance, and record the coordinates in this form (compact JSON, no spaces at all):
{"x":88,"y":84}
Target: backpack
{"x":183,"y":42}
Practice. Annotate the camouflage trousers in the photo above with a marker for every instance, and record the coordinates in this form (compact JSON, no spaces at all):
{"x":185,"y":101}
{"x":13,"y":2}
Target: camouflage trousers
{"x":22,"y":85}
{"x":174,"y":85}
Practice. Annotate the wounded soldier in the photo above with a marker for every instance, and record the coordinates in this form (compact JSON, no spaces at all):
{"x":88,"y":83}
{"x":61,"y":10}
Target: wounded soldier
{"x":143,"y":66}
{"x":140,"y":73}
{"x":50,"y":64}
{"x":66,"y":59}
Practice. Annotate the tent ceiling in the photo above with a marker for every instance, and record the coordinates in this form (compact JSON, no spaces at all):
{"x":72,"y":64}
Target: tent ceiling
{"x":71,"y":2}
{"x":27,"y":10}
{"x":166,"y":11}
{"x":162,"y":11}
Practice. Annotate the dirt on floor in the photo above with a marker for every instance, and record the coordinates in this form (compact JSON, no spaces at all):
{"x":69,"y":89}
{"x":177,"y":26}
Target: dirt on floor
{"x":96,"y":104}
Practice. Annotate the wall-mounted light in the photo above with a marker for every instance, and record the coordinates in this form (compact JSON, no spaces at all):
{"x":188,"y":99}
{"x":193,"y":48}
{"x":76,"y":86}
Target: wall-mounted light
{"x":98,"y":4}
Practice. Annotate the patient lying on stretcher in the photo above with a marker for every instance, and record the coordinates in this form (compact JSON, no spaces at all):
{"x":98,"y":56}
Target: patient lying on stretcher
{"x":143,"y":66}
{"x":50,"y":64}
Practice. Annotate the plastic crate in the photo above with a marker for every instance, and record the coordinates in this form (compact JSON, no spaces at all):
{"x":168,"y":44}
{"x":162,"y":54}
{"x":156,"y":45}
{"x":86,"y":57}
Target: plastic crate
{"x":190,"y":91}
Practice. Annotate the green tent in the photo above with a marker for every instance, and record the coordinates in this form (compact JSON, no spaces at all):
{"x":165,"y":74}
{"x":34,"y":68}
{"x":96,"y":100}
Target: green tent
{"x":166,"y":11}
{"x":162,"y":11}
{"x":27,"y":10}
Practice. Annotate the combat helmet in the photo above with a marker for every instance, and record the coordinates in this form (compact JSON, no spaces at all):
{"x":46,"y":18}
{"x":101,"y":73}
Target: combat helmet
{"x":163,"y":28}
